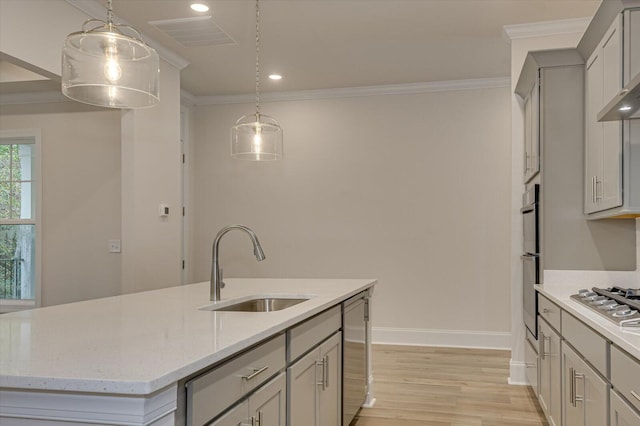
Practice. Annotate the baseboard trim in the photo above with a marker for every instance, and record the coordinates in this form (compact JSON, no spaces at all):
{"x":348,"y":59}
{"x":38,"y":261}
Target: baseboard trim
{"x":518,"y":373}
{"x":448,"y":338}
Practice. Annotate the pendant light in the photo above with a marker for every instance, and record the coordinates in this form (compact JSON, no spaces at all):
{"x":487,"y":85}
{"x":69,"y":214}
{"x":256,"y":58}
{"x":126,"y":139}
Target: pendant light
{"x":256,"y":136}
{"x":109,"y":65}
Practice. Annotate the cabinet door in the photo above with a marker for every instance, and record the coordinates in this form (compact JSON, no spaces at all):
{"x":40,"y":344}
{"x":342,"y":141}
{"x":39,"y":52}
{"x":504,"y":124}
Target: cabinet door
{"x":593,"y":131}
{"x":236,"y":417}
{"x":550,"y":377}
{"x":531,"y":139}
{"x":586,"y":394}
{"x":268,"y":405}
{"x":330,"y":395}
{"x":302,"y":378}
{"x":595,"y":397}
{"x":609,"y":188}
{"x":573,"y":406}
{"x":621,"y":413}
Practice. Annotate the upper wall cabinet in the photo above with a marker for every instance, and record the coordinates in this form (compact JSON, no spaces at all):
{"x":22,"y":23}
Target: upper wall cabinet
{"x":612,"y":154}
{"x":531,"y":140}
{"x":603,"y":140}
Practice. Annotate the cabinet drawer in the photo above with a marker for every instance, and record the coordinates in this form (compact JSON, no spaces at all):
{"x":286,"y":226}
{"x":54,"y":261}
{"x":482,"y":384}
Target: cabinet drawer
{"x":311,"y":332}
{"x":549,"y":311}
{"x":210,"y":394}
{"x":592,"y":346}
{"x":625,"y":376}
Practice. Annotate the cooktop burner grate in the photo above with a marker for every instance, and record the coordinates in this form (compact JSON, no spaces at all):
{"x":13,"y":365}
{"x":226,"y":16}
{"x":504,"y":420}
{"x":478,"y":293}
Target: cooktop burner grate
{"x":619,"y":305}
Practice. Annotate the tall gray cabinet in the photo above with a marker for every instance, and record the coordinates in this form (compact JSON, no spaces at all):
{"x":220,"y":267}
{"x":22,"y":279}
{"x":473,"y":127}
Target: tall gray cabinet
{"x":552,"y":87}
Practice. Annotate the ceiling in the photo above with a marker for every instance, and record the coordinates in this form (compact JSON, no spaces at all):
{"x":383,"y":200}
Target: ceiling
{"x":320,"y":44}
{"x":326,"y":44}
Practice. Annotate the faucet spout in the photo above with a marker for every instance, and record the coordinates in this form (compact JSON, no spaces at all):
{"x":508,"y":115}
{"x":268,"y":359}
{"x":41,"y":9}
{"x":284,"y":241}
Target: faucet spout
{"x":216,"y":271}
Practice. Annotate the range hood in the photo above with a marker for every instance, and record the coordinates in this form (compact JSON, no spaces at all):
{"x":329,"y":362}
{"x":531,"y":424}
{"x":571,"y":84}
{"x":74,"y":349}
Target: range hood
{"x":625,"y":105}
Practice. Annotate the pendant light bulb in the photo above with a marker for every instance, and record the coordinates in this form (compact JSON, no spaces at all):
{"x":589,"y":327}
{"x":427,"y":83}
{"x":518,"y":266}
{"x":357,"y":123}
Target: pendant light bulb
{"x":112,"y":70}
{"x":256,"y":137}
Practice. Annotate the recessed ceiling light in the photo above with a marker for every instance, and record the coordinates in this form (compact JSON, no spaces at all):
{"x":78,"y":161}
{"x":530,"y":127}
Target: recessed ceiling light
{"x":275,"y":76}
{"x":624,"y":108}
{"x":199,"y":7}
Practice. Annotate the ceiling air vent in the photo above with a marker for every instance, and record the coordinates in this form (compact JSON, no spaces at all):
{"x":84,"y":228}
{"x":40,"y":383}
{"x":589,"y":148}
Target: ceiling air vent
{"x":194,"y":32}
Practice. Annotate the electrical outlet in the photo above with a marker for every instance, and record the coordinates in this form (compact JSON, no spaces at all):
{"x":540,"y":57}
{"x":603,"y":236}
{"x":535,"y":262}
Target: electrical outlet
{"x":114,"y":246}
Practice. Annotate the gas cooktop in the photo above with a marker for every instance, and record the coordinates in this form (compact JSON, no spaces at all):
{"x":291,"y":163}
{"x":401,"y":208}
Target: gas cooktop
{"x":620,"y":305}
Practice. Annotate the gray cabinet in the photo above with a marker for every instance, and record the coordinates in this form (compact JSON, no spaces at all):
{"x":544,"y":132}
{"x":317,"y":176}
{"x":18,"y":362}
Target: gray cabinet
{"x":621,"y":412}
{"x":603,"y":140}
{"x":612,"y":174}
{"x":314,"y":387}
{"x":549,"y":389}
{"x":213,"y":392}
{"x":586,"y":394}
{"x":265,"y":407}
{"x":531,"y":139}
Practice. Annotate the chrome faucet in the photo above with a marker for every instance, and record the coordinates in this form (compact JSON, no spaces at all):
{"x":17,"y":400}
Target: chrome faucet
{"x":216,"y":271}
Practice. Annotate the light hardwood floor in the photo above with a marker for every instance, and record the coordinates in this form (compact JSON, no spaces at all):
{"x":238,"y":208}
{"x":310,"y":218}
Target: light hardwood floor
{"x":446,"y":386}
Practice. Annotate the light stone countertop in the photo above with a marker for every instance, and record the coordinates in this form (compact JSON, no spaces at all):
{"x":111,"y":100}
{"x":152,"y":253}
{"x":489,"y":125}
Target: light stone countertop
{"x":560,"y":292}
{"x":139,"y":343}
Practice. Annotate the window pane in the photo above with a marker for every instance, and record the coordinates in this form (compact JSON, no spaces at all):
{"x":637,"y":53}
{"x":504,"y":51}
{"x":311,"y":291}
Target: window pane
{"x":5,"y":162}
{"x":17,"y":261}
{"x":5,"y":200}
{"x":23,"y":162}
{"x":22,"y":203}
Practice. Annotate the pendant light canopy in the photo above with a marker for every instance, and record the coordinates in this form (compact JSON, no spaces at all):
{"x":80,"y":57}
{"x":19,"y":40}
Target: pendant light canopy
{"x":256,"y":136}
{"x":109,"y":65}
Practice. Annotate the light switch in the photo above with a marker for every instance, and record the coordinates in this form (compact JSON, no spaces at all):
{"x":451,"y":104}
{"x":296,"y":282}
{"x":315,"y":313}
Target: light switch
{"x":164,"y":210}
{"x":114,"y":246}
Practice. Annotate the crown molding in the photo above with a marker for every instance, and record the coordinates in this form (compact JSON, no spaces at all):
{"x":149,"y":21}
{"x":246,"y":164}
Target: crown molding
{"x":545,"y":28}
{"x":352,"y":92}
{"x":96,"y":10}
{"x":187,"y":99}
{"x":32,"y":98}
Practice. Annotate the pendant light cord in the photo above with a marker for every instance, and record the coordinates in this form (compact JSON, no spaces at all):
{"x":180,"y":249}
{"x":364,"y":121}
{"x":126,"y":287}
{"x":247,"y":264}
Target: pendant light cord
{"x":109,"y":15}
{"x":257,"y":61}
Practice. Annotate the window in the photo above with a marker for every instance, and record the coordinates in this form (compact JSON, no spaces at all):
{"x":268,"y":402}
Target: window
{"x":19,"y":207}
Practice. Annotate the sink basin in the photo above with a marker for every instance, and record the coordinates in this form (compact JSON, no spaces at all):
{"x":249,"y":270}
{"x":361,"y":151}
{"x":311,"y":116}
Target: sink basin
{"x":262,"y":304}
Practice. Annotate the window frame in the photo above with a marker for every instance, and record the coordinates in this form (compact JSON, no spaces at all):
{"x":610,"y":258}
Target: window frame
{"x":35,"y":135}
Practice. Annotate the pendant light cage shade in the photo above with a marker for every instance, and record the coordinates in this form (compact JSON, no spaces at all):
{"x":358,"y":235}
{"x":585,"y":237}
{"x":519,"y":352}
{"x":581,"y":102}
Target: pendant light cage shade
{"x":107,"y":68}
{"x":256,"y":137}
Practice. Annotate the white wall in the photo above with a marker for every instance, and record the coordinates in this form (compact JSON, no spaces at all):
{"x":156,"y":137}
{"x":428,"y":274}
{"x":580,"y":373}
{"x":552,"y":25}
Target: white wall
{"x":80,"y":202}
{"x":151,"y":245}
{"x":410,"y":189}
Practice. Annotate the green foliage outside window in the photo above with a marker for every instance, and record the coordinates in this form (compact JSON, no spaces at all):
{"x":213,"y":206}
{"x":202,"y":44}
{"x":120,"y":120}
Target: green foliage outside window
{"x":10,"y":193}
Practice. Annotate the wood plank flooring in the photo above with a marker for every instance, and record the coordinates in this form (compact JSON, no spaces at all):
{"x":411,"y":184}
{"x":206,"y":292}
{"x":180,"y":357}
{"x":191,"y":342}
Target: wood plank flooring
{"x":418,"y":386}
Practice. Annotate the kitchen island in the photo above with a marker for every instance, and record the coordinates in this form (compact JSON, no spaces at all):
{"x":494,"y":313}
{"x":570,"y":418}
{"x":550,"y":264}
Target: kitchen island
{"x":119,"y":360}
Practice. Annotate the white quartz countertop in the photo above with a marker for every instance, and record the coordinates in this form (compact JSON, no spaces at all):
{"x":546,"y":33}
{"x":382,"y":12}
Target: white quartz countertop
{"x":560,"y":292}
{"x":140,"y":343}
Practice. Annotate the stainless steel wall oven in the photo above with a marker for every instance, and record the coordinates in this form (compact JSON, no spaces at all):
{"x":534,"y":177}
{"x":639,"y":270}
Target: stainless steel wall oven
{"x":530,"y":257}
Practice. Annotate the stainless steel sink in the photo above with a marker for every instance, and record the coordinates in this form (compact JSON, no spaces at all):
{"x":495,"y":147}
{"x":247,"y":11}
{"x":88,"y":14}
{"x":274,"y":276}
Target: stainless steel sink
{"x":262,"y":304}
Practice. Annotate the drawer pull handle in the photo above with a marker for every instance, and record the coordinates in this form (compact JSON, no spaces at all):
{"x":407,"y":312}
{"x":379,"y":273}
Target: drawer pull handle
{"x":546,"y":311}
{"x":326,"y":371}
{"x":323,"y":376}
{"x":635,"y":395}
{"x":256,"y":371}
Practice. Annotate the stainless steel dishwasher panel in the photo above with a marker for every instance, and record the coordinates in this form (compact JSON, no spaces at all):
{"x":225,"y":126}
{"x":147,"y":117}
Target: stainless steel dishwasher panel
{"x":354,"y":356}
